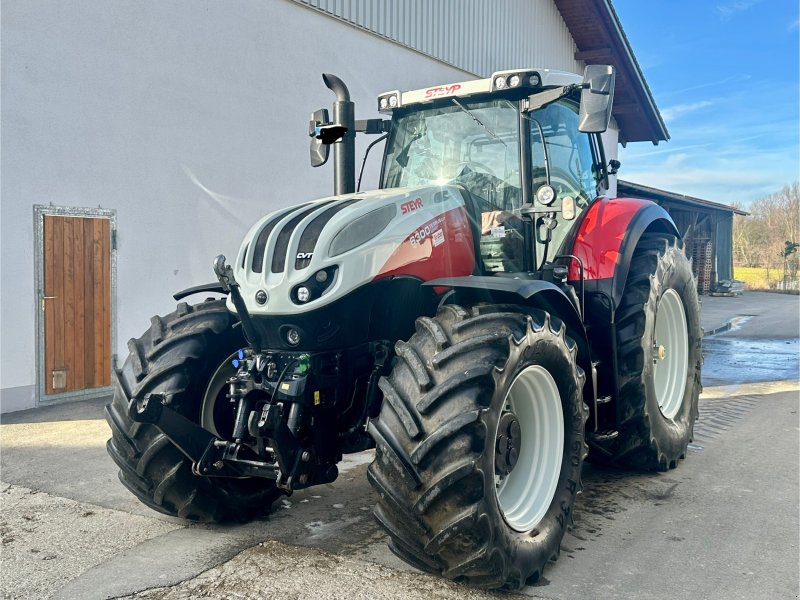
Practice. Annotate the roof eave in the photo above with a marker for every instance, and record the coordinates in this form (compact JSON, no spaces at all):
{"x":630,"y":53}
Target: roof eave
{"x":600,"y":39}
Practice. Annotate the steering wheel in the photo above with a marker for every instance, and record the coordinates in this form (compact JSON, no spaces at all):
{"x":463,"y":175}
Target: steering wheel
{"x":561,"y":182}
{"x":475,"y":166}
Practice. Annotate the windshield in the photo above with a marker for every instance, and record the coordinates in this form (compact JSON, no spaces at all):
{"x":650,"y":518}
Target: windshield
{"x":473,"y":144}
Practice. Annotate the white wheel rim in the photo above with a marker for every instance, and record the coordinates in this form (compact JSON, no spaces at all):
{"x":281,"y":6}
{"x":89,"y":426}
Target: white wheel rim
{"x":670,"y":353}
{"x":525,"y":494}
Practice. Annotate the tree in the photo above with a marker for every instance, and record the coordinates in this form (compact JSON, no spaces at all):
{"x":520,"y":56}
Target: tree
{"x":771,"y":233}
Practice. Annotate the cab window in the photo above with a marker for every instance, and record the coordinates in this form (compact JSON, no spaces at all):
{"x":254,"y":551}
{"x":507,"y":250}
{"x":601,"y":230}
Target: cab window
{"x":570,"y":161}
{"x":570,"y":152}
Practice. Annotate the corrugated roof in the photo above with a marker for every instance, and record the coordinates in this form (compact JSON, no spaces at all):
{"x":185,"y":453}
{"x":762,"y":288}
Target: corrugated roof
{"x":637,"y":190}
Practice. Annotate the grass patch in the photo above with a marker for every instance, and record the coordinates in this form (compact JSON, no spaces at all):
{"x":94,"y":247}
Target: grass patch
{"x":761,"y":278}
{"x":755,"y":278}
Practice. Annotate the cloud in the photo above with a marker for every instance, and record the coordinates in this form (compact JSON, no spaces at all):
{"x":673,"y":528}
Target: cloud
{"x":672,"y":113}
{"x":667,"y":149}
{"x":725,"y":175}
{"x":794,"y":25}
{"x":739,"y":78}
{"x":726,"y":11}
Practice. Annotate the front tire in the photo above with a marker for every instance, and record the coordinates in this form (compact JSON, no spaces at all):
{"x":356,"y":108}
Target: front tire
{"x":177,"y":357}
{"x":480,"y":442}
{"x":658,"y":356}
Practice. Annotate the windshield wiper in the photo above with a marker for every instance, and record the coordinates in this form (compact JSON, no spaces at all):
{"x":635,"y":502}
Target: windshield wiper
{"x":402,"y":157}
{"x":478,"y":121}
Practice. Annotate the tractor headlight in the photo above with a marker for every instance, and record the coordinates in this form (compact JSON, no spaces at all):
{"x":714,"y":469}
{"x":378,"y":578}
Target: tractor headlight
{"x":315,"y":286}
{"x":388,"y":101}
{"x":546,"y":195}
{"x":506,"y":80}
{"x":362,"y":230}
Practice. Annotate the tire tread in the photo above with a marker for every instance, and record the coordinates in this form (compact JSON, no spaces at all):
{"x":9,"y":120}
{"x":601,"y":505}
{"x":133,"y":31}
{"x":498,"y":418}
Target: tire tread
{"x":172,"y":357}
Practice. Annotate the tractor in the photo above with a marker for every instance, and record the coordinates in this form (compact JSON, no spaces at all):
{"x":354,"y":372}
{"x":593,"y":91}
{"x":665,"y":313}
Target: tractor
{"x":485,"y":320}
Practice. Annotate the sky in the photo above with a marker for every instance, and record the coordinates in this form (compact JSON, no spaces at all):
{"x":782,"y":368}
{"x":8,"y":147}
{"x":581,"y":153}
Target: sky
{"x":724,"y":75}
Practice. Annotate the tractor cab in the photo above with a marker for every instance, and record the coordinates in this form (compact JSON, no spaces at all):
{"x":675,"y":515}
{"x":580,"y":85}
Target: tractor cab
{"x":522,"y":147}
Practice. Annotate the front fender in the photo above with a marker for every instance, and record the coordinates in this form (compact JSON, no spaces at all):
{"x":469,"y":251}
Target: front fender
{"x":214,"y":286}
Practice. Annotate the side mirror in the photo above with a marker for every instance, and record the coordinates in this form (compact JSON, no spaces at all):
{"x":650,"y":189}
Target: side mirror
{"x":319,"y":149}
{"x":596,"y":98}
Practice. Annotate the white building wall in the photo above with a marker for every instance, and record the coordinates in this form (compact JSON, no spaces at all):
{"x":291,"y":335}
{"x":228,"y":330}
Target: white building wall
{"x":189,"y":118}
{"x":479,"y":36}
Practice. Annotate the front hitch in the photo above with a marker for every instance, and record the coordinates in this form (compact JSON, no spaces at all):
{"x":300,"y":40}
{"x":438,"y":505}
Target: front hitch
{"x":210,"y":456}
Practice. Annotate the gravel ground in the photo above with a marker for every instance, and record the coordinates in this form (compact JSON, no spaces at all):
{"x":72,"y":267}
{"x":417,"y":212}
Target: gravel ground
{"x":273,"y":570}
{"x":37,"y":558}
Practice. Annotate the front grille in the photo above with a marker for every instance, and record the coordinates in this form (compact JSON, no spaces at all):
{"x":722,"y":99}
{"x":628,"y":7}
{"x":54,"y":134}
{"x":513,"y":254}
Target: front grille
{"x":263,"y":237}
{"x":310,"y":235}
{"x":285,"y":235}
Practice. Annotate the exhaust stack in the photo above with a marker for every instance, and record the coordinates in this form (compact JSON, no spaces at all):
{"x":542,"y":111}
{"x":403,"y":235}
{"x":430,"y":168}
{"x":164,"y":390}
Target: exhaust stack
{"x":344,"y":149}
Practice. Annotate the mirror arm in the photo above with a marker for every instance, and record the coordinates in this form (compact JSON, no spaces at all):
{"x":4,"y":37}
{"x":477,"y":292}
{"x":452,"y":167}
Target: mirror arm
{"x":542,"y":99}
{"x":373,"y":126}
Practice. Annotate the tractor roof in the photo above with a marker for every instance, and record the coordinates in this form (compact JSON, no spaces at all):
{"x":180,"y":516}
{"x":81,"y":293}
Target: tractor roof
{"x":500,"y":81}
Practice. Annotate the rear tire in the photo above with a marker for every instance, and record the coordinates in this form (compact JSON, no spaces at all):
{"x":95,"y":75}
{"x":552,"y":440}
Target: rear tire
{"x":658,"y":356}
{"x":177,"y":357}
{"x":439,"y":451}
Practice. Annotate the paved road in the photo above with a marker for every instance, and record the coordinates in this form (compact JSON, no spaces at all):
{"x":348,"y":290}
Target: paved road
{"x":723,"y":525}
{"x":762,"y":343}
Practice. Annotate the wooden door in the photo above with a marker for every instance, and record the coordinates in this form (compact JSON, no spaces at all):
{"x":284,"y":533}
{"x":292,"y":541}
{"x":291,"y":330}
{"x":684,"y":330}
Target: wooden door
{"x":76,"y":303}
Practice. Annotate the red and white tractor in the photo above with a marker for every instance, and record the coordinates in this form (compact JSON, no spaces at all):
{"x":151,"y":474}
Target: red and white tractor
{"x":484,"y":319}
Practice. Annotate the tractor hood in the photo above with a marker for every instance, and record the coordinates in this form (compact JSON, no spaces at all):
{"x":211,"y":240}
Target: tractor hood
{"x":303,"y":257}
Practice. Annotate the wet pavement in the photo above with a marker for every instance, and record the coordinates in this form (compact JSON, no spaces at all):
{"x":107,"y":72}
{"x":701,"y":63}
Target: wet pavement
{"x":758,"y":342}
{"x":741,"y":360}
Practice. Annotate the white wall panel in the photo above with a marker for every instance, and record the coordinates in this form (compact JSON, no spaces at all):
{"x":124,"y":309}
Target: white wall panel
{"x":188,"y":117}
{"x":478,"y":36}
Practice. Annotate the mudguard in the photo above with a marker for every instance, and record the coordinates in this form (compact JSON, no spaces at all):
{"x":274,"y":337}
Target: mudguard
{"x":214,"y":286}
{"x":531,"y":292}
{"x":606,"y":238}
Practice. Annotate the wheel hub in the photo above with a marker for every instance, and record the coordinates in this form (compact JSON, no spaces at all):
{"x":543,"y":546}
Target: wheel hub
{"x":507,"y":444}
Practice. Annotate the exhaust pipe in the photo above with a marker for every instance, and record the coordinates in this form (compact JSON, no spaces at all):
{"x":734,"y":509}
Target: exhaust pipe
{"x":344,"y":149}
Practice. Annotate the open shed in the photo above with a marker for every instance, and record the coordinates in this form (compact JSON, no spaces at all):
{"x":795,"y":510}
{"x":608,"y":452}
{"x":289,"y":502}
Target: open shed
{"x":706,"y":227}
